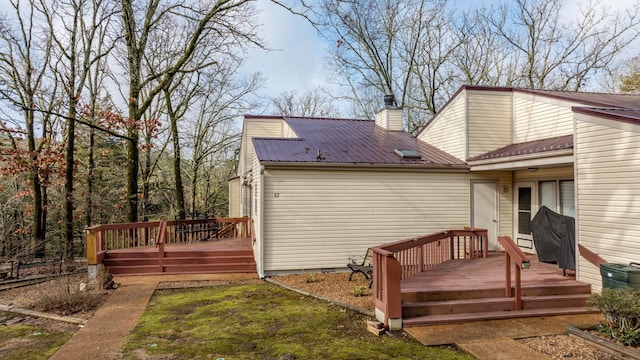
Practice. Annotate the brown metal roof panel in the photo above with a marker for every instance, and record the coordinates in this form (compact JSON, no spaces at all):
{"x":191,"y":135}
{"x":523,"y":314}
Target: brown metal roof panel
{"x":348,"y":141}
{"x":591,"y":98}
{"x":530,"y":147}
{"x":631,"y":115}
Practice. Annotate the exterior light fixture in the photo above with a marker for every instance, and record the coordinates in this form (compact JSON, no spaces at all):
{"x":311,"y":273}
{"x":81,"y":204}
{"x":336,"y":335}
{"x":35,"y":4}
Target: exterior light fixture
{"x":533,"y":169}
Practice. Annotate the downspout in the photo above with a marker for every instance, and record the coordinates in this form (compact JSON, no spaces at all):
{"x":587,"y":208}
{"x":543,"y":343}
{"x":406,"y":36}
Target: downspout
{"x":261,"y":227}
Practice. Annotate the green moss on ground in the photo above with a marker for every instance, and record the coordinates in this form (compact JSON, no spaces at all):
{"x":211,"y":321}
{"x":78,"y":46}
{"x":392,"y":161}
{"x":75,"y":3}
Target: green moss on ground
{"x":262,"y":321}
{"x":27,"y":342}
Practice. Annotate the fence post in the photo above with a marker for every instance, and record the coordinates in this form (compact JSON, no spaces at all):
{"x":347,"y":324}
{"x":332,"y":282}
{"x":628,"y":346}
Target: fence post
{"x":93,"y":264}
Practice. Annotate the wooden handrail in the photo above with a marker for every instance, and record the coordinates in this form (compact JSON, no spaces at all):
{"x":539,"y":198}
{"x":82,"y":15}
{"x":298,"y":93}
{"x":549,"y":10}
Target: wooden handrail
{"x":162,"y":233}
{"x":103,"y":237}
{"x":513,"y":252}
{"x":592,"y":257}
{"x":401,"y":259}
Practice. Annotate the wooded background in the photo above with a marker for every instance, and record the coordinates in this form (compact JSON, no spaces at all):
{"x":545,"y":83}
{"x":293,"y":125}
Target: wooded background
{"x":120,"y":111}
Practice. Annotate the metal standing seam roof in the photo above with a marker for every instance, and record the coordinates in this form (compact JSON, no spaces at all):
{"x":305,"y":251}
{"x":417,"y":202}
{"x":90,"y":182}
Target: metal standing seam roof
{"x":349,"y":141}
{"x":531,"y":147}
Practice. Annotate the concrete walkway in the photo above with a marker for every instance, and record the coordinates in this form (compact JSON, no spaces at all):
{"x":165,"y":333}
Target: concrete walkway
{"x":105,"y":333}
{"x":494,"y":340}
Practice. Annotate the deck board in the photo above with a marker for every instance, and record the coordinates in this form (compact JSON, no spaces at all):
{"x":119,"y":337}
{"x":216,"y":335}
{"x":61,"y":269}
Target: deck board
{"x":487,"y":273}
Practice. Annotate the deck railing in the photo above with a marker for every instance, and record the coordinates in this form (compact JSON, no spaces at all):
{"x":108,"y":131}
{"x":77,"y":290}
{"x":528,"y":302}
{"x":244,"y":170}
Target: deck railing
{"x":592,"y":257}
{"x":101,"y":238}
{"x":401,"y":259}
{"x":513,"y":253}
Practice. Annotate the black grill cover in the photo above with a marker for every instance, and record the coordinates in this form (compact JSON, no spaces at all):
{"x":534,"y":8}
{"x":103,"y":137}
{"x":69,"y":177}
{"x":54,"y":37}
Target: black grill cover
{"x":555,"y":238}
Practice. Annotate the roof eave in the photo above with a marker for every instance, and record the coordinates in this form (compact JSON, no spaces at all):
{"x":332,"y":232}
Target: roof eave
{"x":551,"y":158}
{"x":320,"y":164}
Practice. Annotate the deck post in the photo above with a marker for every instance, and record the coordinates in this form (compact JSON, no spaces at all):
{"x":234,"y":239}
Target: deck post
{"x":386,"y":289}
{"x":507,"y":289}
{"x":94,"y":265}
{"x":518,"y":290}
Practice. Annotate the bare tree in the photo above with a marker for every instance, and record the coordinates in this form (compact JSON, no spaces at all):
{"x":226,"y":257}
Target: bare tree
{"x":552,"y":52}
{"x":403,"y":48}
{"x":422,"y":50}
{"x":197,"y":21}
{"x":212,"y":136}
{"x":316,"y":102}
{"x":78,"y":29}
{"x":24,"y":56}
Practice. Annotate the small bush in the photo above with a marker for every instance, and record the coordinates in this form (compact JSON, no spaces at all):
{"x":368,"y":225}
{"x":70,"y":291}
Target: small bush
{"x":65,"y":295}
{"x":310,"y":278}
{"x":360,"y":291}
{"x":621,"y":309}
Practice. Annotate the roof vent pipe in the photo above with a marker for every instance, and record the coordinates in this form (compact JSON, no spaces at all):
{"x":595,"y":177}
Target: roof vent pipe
{"x":389,"y":100}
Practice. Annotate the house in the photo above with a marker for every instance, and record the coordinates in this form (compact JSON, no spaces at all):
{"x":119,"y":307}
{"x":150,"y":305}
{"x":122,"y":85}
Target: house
{"x":320,"y":190}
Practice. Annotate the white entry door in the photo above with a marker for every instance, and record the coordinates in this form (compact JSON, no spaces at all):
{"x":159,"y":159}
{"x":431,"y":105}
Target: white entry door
{"x":524,"y":207}
{"x":485,"y":210}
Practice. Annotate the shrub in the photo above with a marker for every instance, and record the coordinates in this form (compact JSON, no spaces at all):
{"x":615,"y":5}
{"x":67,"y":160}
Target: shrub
{"x":64,"y":295}
{"x":621,"y":309}
{"x":360,"y":291}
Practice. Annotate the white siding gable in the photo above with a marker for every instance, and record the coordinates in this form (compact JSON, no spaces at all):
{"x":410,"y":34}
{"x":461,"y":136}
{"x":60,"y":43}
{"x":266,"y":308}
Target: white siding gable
{"x":448,"y":129}
{"x":541,"y":117}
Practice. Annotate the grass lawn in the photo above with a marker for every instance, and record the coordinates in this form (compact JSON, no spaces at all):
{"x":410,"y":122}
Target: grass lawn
{"x":261,"y":321}
{"x":28,"y":342}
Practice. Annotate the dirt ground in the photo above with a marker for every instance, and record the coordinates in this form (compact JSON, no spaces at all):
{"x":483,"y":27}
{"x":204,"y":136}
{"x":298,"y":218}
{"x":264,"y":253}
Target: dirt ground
{"x":330,"y":285}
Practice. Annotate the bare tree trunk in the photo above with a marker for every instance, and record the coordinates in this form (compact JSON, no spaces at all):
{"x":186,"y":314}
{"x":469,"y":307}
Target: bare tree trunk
{"x":90,"y":169}
{"x":177,"y":169}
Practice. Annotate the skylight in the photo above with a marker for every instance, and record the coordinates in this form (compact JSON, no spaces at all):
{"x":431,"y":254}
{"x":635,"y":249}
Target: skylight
{"x":407,"y":153}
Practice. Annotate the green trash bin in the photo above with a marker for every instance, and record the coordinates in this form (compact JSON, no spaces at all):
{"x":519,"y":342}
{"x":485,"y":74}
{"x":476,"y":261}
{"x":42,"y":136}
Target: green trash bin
{"x":616,"y":276}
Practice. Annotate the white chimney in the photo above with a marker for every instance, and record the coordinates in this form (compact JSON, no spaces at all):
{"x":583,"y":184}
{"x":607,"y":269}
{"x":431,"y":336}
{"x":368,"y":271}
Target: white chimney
{"x":390,"y":118}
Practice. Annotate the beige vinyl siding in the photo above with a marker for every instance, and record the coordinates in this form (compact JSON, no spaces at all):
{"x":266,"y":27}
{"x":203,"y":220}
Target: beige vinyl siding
{"x":448,"y":130}
{"x":318,"y":218}
{"x":253,"y":127}
{"x":539,"y":117}
{"x":608,"y":169}
{"x":234,"y":197}
{"x":287,"y":131}
{"x":257,"y":212}
{"x":489,"y":116}
{"x":256,"y":127}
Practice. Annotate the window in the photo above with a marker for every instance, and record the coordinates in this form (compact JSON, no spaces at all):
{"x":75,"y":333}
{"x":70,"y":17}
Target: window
{"x":548,"y":196}
{"x":567,"y":198}
{"x":524,"y":210}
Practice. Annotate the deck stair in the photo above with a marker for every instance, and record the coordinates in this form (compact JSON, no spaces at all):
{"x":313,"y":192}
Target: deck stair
{"x":179,"y":261}
{"x":445,"y":306}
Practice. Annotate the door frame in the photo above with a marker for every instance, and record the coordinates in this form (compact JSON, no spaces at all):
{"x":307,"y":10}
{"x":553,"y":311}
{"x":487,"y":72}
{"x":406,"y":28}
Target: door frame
{"x":524,"y":241}
{"x":493,"y":235}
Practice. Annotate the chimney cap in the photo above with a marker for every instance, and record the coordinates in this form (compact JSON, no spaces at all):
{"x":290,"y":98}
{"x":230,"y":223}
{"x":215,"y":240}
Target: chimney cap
{"x":389,"y":100}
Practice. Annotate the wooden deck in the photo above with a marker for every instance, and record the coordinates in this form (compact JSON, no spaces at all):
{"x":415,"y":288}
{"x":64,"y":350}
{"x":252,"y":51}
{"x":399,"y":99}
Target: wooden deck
{"x":474,"y":289}
{"x":478,"y":274}
{"x":202,"y":257}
